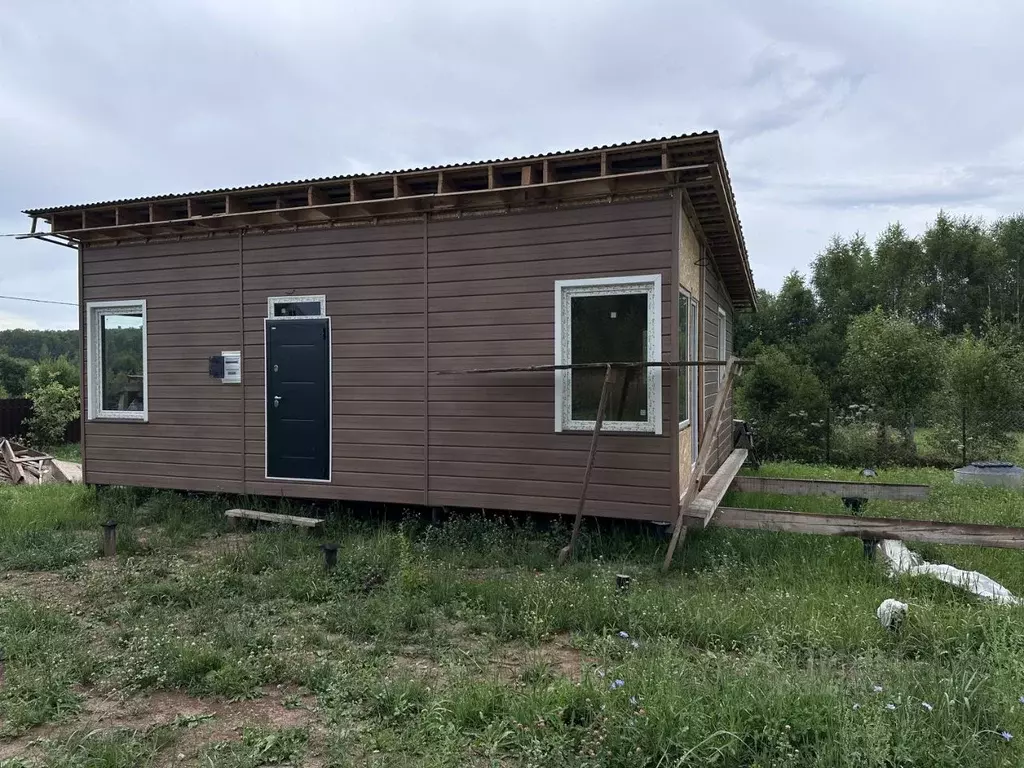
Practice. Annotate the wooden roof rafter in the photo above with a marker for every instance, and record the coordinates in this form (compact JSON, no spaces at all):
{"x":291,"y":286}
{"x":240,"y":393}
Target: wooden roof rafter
{"x":694,"y":162}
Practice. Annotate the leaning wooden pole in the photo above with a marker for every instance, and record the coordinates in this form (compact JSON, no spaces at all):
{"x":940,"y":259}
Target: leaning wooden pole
{"x":710,"y":434}
{"x":566,"y":552}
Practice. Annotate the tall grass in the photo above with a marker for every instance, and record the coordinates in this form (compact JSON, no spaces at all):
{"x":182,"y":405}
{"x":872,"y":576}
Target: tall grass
{"x":461,"y":644}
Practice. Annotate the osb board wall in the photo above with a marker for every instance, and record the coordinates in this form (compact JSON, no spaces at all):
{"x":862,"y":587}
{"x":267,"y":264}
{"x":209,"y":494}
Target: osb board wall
{"x":689,"y":281}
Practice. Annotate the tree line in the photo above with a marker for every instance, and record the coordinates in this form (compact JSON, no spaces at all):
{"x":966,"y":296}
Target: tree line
{"x":21,"y":349}
{"x":909,"y":350}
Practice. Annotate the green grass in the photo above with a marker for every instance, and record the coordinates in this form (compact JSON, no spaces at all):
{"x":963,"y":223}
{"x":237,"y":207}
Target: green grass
{"x":462,"y":645}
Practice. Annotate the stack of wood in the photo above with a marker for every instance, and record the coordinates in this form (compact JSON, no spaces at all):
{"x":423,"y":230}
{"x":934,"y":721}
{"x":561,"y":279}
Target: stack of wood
{"x":19,"y":464}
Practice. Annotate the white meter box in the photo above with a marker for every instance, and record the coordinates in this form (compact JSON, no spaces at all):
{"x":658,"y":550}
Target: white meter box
{"x":232,"y":368}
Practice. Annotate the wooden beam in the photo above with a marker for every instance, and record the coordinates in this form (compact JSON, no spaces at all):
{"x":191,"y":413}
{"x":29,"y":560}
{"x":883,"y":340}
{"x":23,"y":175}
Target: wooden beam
{"x":799,"y":487}
{"x":706,"y":440}
{"x":526,"y":176}
{"x":928,"y":531}
{"x":711,"y":496}
{"x":316,"y":196}
{"x":481,"y":199}
{"x":233,"y":204}
{"x":399,"y":188}
{"x":549,"y":172}
{"x":273,"y":517}
{"x":13,"y":467}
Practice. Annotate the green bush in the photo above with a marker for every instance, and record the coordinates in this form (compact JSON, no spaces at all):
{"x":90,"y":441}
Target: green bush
{"x":56,"y":401}
{"x":786,"y":405}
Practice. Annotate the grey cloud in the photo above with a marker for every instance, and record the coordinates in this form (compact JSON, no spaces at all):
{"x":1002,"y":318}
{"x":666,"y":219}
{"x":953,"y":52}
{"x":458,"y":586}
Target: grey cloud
{"x":835,"y":117}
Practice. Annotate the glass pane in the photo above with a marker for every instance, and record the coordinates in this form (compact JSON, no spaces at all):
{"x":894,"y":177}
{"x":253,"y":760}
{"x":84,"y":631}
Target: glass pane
{"x":609,"y":329}
{"x":297,"y":309}
{"x":683,"y":372}
{"x":121,"y":337}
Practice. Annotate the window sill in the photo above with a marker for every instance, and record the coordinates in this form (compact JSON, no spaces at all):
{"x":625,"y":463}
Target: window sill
{"x":117,"y":420}
{"x":606,"y":430}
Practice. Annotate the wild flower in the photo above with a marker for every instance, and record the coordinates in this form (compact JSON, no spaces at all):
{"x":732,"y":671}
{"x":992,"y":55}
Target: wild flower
{"x":624,"y":635}
{"x":633,"y":700}
{"x":634,"y":643}
{"x":890,"y":707}
{"x":1021,"y":699}
{"x":927,"y":706}
{"x":616,"y":684}
{"x":856,"y":706}
{"x":876,"y":688}
{"x":1005,"y":735}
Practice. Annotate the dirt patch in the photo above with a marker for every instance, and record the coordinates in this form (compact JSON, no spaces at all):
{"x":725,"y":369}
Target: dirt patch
{"x":45,"y":586}
{"x":558,"y":654}
{"x":198,"y":721}
{"x":217,"y":545}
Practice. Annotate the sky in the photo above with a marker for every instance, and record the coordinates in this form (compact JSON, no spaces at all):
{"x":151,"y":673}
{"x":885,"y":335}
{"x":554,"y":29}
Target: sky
{"x":836,"y":116}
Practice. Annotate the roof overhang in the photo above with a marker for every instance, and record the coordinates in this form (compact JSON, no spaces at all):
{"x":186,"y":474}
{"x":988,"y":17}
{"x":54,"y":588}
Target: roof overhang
{"x":694,"y":163}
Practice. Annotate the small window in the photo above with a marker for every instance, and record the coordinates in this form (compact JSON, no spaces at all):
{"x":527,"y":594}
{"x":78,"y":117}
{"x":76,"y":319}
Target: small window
{"x":117,"y":376}
{"x":297,"y":306}
{"x":608,"y":320}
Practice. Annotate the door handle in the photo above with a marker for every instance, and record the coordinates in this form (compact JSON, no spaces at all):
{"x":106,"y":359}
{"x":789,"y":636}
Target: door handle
{"x":277,"y":400}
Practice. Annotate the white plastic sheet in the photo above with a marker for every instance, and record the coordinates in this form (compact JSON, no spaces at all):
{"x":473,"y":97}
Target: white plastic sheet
{"x":891,"y":614}
{"x":902,"y":560}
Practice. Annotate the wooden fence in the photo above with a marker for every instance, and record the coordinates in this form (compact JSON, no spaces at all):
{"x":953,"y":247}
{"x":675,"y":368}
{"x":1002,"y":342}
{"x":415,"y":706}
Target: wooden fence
{"x":14,"y":412}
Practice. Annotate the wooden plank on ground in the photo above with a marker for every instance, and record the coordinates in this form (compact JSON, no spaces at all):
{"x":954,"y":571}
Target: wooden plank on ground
{"x":271,"y":517}
{"x":799,"y":487}
{"x":929,"y":531}
{"x":13,"y":467}
{"x":711,"y":496}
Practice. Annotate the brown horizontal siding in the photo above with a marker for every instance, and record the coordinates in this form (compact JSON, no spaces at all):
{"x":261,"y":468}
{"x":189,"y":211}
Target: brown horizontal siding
{"x":491,"y":304}
{"x":193,"y":438}
{"x":715,"y":297}
{"x":487,"y":300}
{"x":374,"y":292}
{"x":120,"y":476}
{"x":384,"y":493}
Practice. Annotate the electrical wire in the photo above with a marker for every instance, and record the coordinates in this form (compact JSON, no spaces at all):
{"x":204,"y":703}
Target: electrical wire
{"x":39,"y":301}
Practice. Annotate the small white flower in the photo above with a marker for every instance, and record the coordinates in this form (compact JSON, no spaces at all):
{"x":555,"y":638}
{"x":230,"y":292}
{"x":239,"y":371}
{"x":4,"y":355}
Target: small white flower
{"x":876,"y":688}
{"x":927,"y":706}
{"x":890,"y":707}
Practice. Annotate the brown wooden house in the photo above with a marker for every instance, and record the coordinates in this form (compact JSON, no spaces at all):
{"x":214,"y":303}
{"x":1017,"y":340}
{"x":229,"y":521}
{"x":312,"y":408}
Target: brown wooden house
{"x":286,"y":339}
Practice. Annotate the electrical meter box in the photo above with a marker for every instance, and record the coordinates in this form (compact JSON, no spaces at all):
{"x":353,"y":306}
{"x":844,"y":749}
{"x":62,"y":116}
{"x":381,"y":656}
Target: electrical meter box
{"x":232,"y":368}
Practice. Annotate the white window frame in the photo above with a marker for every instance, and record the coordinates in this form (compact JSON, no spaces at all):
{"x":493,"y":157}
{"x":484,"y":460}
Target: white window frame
{"x":95,"y":311}
{"x":695,"y":404}
{"x":723,"y":349}
{"x":273,"y":301}
{"x":565,"y":290}
{"x":690,"y":355}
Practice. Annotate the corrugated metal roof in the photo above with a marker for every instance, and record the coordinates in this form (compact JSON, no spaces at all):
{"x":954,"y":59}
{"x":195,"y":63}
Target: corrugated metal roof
{"x":345,"y":177}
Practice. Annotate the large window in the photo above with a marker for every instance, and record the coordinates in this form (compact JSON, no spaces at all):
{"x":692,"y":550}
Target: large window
{"x":116,"y":342}
{"x":608,"y":320}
